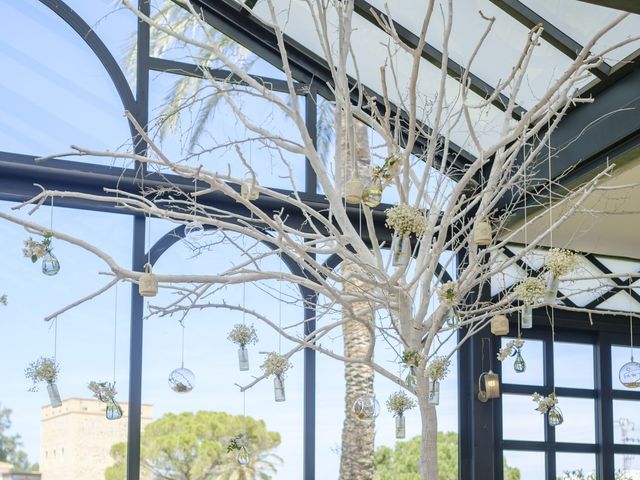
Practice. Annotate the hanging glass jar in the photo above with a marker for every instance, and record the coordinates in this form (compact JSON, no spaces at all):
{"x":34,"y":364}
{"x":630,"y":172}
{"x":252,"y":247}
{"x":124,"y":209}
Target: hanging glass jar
{"x":401,"y":429}
{"x":182,"y":380}
{"x":54,"y":395}
{"x":401,"y":250}
{"x":193,"y":231}
{"x":243,"y":358}
{"x":148,"y":282}
{"x":452,"y":317}
{"x":113,"y":410}
{"x":526,"y":320}
{"x":278,"y":388}
{"x":551,"y":291}
{"x":630,"y":374}
{"x":434,"y":392}
{"x":411,"y":379}
{"x":366,"y":407}
{"x":372,"y":195}
{"x":554,"y":417}
{"x":50,"y":264}
{"x":353,"y":191}
{"x":519,"y":365}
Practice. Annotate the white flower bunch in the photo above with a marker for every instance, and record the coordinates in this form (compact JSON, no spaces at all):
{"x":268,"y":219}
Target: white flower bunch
{"x":544,"y":403}
{"x":243,"y":335}
{"x":406,"y":220}
{"x":438,"y":368}
{"x":448,"y":293}
{"x":103,"y":391}
{"x":399,"y":402}
{"x":275,"y":364}
{"x":560,"y":261}
{"x":507,"y":351}
{"x":35,"y":250}
{"x":530,"y":290}
{"x":43,"y":370}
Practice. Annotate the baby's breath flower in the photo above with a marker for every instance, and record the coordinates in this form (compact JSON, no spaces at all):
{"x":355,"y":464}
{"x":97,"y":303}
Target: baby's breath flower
{"x":243,"y":335}
{"x":275,"y":364}
{"x":448,"y":293}
{"x":438,"y":368}
{"x":544,"y":403}
{"x":560,"y":261}
{"x":406,"y":220}
{"x":42,"y":370}
{"x":509,"y":348}
{"x":530,"y":290}
{"x":399,"y":402}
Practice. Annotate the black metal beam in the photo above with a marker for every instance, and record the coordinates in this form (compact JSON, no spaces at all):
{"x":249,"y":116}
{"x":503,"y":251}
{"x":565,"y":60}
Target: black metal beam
{"x":632,"y":6}
{"x":620,"y":285}
{"x":229,"y":17}
{"x":434,"y":56}
{"x":552,"y":34}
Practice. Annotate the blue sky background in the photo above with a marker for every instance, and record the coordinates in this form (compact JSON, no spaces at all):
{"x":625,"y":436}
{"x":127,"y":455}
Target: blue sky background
{"x":58,"y":94}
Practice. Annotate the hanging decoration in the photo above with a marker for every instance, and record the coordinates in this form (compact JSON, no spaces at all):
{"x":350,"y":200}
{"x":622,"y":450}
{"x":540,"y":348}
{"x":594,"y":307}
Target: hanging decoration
{"x":194,"y":230}
{"x":629,"y":374}
{"x":519,"y":365}
{"x":249,"y":189}
{"x":559,"y":262}
{"x":106,"y":393}
{"x":482,"y":233}
{"x":243,"y":335}
{"x":548,"y":405}
{"x":411,"y":360}
{"x":437,"y":370}
{"x":148,"y":282}
{"x":500,"y":325}
{"x":491,"y":387}
{"x":513,"y":348}
{"x":182,"y":380}
{"x":405,"y":220}
{"x":42,"y":250}
{"x":372,"y":195}
{"x":276,"y":365}
{"x":398,"y":403}
{"x":45,"y":370}
{"x":366,"y":407}
{"x":238,"y":445}
{"x":354,"y":190}
{"x":530,"y":291}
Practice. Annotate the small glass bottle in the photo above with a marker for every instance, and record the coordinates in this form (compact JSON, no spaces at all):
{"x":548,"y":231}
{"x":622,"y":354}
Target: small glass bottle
{"x":113,"y":410}
{"x":401,"y":251}
{"x":50,"y":264}
{"x":527,"y":316}
{"x":519,"y":365}
{"x":278,"y":388}
{"x":243,"y":358}
{"x":401,"y":430}
{"x":434,"y":392}
{"x":551,"y":292}
{"x":554,"y":417}
{"x":54,"y":395}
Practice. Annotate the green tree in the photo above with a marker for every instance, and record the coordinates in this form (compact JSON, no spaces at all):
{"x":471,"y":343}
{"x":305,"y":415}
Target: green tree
{"x":10,"y":445}
{"x":401,"y":462}
{"x":193,"y":446}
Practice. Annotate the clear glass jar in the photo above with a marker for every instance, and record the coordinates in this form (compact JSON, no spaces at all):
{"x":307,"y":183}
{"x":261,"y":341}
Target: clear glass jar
{"x":527,"y":317}
{"x":412,"y":379}
{"x":434,"y":393}
{"x":113,"y":410}
{"x":372,"y":195}
{"x":554,"y":417}
{"x":551,"y":292}
{"x":243,"y":358}
{"x":519,"y":365}
{"x":401,"y":428}
{"x":401,"y":251}
{"x":278,"y":389}
{"x":50,"y":264}
{"x":54,"y":395}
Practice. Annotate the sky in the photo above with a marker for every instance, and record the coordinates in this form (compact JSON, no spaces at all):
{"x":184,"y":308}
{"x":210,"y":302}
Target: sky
{"x":52,"y":100}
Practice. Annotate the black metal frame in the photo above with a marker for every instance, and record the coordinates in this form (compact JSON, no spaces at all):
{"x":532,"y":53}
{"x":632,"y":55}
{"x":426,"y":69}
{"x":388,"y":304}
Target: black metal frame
{"x":480,"y":424}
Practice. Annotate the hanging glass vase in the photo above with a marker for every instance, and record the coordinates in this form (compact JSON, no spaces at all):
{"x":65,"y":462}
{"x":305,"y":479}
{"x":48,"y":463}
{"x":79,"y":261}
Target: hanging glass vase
{"x":401,"y":250}
{"x":54,"y":395}
{"x":551,"y":291}
{"x":182,"y":380}
{"x":434,"y":392}
{"x":366,"y":407}
{"x":519,"y":365}
{"x":554,"y":417}
{"x":193,"y":231}
{"x":278,"y":388}
{"x":113,"y":410}
{"x":249,"y":190}
{"x":243,"y":358}
{"x":630,"y":374}
{"x":372,"y":195}
{"x":353,"y":191}
{"x":526,"y":320}
{"x":452,"y":318}
{"x":401,"y":430}
{"x":243,"y":456}
{"x":50,"y":264}
{"x":412,"y":379}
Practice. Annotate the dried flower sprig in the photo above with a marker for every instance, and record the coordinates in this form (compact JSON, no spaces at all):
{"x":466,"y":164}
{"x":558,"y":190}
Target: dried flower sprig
{"x":530,"y":290}
{"x":43,"y":370}
{"x":510,"y":348}
{"x":35,"y":250}
{"x":103,"y":391}
{"x":544,"y":403}
{"x":411,"y":358}
{"x":243,"y":335}
{"x":406,"y":220}
{"x":448,"y":293}
{"x":275,"y":364}
{"x":399,"y":402}
{"x":438,"y":368}
{"x":560,"y":262}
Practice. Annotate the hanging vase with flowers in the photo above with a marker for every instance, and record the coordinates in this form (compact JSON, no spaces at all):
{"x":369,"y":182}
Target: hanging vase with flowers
{"x":549,"y":405}
{"x":45,"y":370}
{"x":559,"y":262}
{"x":405,"y":221}
{"x":437,"y":370}
{"x":106,"y":392}
{"x":276,"y":365}
{"x":42,"y":250}
{"x":398,"y":403}
{"x":530,"y":291}
{"x":243,"y":335}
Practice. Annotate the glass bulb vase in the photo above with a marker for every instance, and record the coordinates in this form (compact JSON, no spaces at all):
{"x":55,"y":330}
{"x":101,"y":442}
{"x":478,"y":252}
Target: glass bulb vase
{"x":50,"y":264}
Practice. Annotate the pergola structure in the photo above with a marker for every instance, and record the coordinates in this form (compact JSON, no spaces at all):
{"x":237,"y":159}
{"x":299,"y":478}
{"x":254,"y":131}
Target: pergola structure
{"x":603,"y":139}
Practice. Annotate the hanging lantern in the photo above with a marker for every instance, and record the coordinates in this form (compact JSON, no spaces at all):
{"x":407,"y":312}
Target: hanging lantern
{"x":366,"y":407}
{"x":54,"y":395}
{"x":278,"y":388}
{"x":630,"y":374}
{"x":182,"y":380}
{"x":113,"y":410}
{"x":526,"y":320}
{"x":491,"y":386}
{"x":500,"y":325}
{"x":50,"y":264}
{"x":519,"y":365}
{"x":353,"y":191}
{"x":372,"y":195}
{"x":482,"y":233}
{"x":148,"y":283}
{"x":249,"y":190}
{"x":401,"y":426}
{"x":551,"y":292}
{"x":401,"y":251}
{"x":243,"y":358}
{"x":434,"y":392}
{"x":193,"y":231}
{"x":554,"y":417}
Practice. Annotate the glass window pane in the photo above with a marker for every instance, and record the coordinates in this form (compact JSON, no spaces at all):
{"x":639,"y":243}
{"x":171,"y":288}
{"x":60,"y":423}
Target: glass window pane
{"x":626,"y":422}
{"x":523,"y":465}
{"x":573,"y":365}
{"x":570,"y":466}
{"x":627,"y":467}
{"x":532,"y":355}
{"x":520,"y":421}
{"x":579,"y":420}
{"x":620,"y":356}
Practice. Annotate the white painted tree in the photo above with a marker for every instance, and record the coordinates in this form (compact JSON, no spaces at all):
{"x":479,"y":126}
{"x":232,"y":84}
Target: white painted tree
{"x":445,"y":202}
